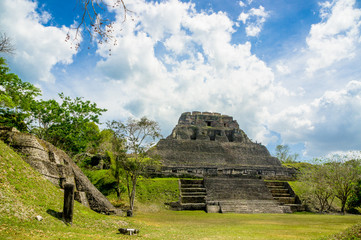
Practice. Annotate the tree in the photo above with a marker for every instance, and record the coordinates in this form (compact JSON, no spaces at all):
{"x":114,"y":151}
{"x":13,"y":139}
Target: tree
{"x":343,"y":179}
{"x":331,"y":179}
{"x":69,"y":125}
{"x":16,"y":98}
{"x":137,"y":135}
{"x":5,"y":44}
{"x":117,"y":155}
{"x":283,"y":154}
{"x":354,"y":201}
{"x":317,"y":190}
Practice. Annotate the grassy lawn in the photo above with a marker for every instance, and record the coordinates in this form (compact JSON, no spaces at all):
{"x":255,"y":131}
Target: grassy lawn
{"x":181,"y":225}
{"x":201,"y":225}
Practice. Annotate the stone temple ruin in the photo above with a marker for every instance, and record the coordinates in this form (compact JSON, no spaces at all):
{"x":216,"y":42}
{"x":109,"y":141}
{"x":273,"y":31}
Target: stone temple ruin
{"x":56,"y":166}
{"x":234,"y":174}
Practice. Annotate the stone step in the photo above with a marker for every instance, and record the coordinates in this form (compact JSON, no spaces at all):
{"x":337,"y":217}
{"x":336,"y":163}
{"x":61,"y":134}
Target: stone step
{"x":280,"y":190}
{"x":251,"y":206}
{"x":195,"y":185}
{"x":276,"y":187}
{"x":193,"y":189}
{"x":193,"y":199}
{"x":269,"y":184}
{"x":193,"y":194}
{"x":193,"y":206}
{"x":296,"y":207}
{"x":191,"y":181}
{"x":281,"y":195}
{"x":286,"y":200}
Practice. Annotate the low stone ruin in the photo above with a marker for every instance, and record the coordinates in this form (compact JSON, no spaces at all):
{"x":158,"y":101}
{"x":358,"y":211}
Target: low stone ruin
{"x":56,"y":166}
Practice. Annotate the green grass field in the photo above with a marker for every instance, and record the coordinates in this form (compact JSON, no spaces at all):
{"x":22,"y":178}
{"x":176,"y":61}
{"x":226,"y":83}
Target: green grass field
{"x":167,"y":224}
{"x":24,"y":194}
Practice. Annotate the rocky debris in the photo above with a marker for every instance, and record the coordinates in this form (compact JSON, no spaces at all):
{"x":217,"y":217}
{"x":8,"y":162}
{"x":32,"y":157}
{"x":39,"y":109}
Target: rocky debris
{"x":56,"y":166}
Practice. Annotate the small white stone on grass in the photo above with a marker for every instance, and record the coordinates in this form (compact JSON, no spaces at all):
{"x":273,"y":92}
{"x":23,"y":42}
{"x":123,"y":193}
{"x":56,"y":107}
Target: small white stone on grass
{"x":39,"y":218}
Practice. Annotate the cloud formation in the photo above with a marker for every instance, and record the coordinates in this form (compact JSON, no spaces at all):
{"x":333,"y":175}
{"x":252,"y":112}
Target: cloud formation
{"x":254,"y":20}
{"x":327,"y":124}
{"x":336,"y":37}
{"x":182,"y":60}
{"x":174,"y":58}
{"x":38,"y":47}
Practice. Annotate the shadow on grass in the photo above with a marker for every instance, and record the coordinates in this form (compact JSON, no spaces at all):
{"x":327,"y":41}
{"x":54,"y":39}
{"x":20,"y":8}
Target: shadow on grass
{"x":58,"y":215}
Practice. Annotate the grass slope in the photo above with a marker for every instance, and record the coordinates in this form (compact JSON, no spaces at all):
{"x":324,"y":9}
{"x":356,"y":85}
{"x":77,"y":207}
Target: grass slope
{"x":24,"y":194}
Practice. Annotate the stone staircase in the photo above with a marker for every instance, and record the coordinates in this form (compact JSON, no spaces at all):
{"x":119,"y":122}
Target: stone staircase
{"x":250,"y":206}
{"x":283,"y":193}
{"x":240,"y":195}
{"x":192,"y":194}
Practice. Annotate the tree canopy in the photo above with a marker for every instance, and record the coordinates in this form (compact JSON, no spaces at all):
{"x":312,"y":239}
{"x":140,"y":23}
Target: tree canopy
{"x":138,"y":136}
{"x":284,"y":155}
{"x":16,"y":98}
{"x":332,"y":179}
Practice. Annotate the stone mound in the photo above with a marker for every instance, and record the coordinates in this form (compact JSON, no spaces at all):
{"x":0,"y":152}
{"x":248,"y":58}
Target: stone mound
{"x":211,"y":144}
{"x":56,"y":166}
{"x":213,"y":147}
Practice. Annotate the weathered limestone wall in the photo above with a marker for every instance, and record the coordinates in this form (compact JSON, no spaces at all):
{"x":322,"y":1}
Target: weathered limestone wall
{"x":208,"y":127}
{"x":213,"y":153}
{"x":56,"y":166}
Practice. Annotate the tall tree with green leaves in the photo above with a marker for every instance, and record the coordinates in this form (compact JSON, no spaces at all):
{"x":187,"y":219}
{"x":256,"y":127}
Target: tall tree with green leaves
{"x":315,"y":187}
{"x":16,"y":98}
{"x":69,"y":125}
{"x":117,"y":154}
{"x":139,"y":136}
{"x":344,"y":177}
{"x":331,"y":179}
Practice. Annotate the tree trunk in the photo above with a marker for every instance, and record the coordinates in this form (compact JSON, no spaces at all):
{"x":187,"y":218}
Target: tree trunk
{"x":343,"y":209}
{"x":118,"y":189}
{"x":132,"y":196}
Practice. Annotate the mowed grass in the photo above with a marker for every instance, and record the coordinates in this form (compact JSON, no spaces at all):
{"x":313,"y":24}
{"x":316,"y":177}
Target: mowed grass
{"x":201,"y":225}
{"x":167,"y":224}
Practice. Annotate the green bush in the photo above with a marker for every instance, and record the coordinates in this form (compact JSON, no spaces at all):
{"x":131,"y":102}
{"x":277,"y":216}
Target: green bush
{"x":103,"y":180}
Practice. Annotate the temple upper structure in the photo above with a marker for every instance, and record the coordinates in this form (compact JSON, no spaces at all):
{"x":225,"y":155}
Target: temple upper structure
{"x":208,"y":126}
{"x":204,"y":142}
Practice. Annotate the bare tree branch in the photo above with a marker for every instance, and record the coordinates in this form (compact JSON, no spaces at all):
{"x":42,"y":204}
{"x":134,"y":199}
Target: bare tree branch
{"x":94,"y":23}
{"x":5,"y":44}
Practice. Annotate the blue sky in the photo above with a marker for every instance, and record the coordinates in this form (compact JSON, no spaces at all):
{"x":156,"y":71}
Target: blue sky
{"x":288,"y":71}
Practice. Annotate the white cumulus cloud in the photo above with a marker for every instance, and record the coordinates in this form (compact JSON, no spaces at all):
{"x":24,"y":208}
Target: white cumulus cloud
{"x":336,"y":37}
{"x":38,"y":47}
{"x":254,"y":20}
{"x":328,"y":124}
{"x":183,"y":60}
